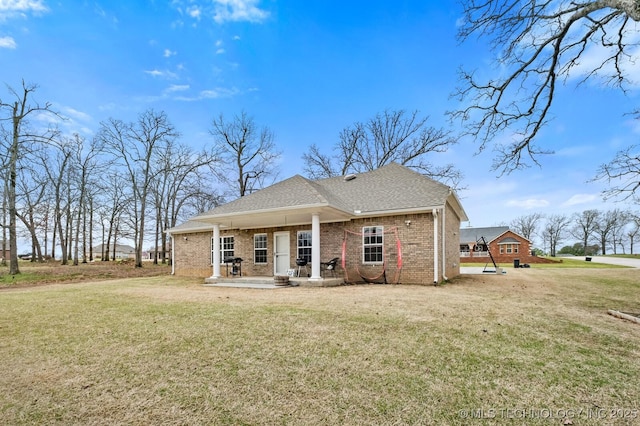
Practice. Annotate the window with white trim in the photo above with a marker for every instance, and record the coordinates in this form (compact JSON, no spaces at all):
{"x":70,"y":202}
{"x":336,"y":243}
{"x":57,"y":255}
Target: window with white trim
{"x":304,"y":245}
{"x":509,"y":248}
{"x":372,"y":243}
{"x":226,"y":248}
{"x":260,"y":248}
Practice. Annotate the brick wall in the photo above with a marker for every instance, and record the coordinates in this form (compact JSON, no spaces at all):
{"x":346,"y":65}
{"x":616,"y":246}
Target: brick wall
{"x":192,"y":256}
{"x":523,"y":255}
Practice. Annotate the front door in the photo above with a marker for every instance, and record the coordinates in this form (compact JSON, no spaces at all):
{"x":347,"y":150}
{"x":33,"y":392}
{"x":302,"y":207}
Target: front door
{"x":281,"y":262}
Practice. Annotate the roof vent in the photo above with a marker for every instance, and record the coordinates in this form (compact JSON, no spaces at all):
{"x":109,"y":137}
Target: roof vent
{"x":349,"y":177}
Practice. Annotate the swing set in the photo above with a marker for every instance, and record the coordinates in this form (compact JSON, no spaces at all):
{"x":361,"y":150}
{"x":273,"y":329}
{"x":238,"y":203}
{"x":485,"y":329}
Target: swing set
{"x":373,"y":256}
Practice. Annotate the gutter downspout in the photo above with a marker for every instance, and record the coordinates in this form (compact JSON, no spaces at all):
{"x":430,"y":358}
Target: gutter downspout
{"x":435,"y":245}
{"x":173,"y":255}
{"x":444,"y":244}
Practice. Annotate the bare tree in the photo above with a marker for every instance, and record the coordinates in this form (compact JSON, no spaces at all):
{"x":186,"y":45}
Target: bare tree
{"x":33,"y":187}
{"x":555,"y":231}
{"x":526,"y":225}
{"x":605,"y":228}
{"x":585,"y":226}
{"x":18,"y":113}
{"x":634,"y":230}
{"x":87,"y":168}
{"x":179,"y":177}
{"x":134,"y":145}
{"x":392,"y":136}
{"x":249,"y":154}
{"x":56,"y":161}
{"x":539,"y":44}
{"x":622,"y":173}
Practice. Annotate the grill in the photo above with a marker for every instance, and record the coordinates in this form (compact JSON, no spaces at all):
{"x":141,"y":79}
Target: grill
{"x":302,"y":262}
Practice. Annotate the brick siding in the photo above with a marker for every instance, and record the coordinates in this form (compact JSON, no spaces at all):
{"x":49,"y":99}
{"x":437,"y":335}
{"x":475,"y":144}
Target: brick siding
{"x":193,"y":254}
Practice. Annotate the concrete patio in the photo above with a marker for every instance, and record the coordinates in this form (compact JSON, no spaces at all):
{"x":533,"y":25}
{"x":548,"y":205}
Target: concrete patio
{"x":268,"y":282}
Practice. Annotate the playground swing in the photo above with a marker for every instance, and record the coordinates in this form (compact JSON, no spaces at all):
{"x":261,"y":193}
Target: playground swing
{"x":354,"y":245}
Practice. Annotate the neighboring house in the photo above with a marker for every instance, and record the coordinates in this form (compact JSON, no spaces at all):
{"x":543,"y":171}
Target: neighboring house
{"x":151,"y":254}
{"x":121,"y":251}
{"x":504,"y":245}
{"x":390,"y":223}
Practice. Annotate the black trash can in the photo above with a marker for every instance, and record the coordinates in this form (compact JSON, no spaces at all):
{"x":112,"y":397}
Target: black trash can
{"x":516,"y":263}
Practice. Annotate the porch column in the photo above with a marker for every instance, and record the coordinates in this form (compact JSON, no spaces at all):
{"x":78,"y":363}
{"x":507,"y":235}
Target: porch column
{"x":216,"y":251}
{"x":315,"y":248}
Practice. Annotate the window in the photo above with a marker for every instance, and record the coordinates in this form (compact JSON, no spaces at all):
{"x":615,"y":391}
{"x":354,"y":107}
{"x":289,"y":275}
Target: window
{"x":304,"y":245}
{"x":226,"y":248}
{"x":260,"y":248}
{"x":508,"y":248}
{"x":372,"y":244}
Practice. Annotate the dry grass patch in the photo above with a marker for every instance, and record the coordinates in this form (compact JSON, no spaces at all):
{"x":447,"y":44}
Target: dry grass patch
{"x":170,"y":351}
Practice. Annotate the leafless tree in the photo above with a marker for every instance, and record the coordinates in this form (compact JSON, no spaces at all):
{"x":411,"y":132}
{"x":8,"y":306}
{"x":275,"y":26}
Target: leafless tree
{"x":180,"y":173}
{"x":56,"y":162}
{"x":135,"y":145}
{"x":634,"y":230}
{"x":15,"y":115}
{"x":539,"y":44}
{"x":527,"y":225}
{"x":585,"y":226}
{"x":606,"y":228}
{"x":248,"y":153}
{"x":555,"y":231}
{"x":391,"y":136}
{"x":87,"y":167}
{"x":622,"y":174}
{"x":33,"y":187}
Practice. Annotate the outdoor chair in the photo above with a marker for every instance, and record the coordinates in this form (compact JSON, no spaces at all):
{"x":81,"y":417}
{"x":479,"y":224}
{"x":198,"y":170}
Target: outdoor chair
{"x":330,"y":266}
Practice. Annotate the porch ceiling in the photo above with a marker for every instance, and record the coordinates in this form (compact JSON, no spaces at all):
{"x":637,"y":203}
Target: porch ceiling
{"x":276,"y":217}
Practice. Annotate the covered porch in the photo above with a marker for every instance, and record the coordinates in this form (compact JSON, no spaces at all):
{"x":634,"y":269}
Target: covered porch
{"x":281,"y":220}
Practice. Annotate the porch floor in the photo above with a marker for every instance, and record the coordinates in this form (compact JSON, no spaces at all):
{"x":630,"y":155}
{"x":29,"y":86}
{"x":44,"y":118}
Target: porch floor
{"x":268,"y":282}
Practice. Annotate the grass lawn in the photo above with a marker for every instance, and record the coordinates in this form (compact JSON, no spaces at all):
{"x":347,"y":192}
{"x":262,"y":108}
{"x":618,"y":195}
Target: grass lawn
{"x":534,"y":346}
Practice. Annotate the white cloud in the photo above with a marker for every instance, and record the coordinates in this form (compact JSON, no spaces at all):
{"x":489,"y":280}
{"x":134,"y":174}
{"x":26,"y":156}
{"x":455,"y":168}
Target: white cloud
{"x":10,"y":8}
{"x":7,"y":43}
{"x":238,"y":10}
{"x":75,"y":114}
{"x":581,"y":199}
{"x":220,"y":51}
{"x":222,"y":11}
{"x":162,"y":74}
{"x":194,"y":12}
{"x":168,"y":53}
{"x":528,"y":204}
{"x":177,"y":88}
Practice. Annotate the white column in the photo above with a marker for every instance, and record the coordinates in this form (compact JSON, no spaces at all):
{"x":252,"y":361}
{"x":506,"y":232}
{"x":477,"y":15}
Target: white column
{"x":315,"y":248}
{"x":436,"y":277}
{"x":216,"y":251}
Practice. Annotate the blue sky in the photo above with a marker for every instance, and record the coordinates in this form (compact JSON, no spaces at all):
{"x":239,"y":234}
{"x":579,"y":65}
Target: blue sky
{"x":306,"y":69}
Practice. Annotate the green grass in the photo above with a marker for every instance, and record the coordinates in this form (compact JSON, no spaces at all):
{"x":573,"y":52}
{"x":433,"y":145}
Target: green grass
{"x":169,"y":351}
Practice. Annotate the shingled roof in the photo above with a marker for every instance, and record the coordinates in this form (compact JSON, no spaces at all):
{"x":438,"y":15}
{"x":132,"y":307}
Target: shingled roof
{"x":391,"y":189}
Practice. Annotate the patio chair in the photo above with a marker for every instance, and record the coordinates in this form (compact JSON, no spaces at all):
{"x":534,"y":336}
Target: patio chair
{"x":329,"y":266}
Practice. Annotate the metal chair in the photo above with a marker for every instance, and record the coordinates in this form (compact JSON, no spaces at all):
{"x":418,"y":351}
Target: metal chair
{"x":330,"y":266}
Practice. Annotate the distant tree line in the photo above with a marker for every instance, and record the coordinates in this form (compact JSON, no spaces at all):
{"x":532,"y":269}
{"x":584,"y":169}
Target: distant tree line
{"x":133,"y":180}
{"x":592,"y":232}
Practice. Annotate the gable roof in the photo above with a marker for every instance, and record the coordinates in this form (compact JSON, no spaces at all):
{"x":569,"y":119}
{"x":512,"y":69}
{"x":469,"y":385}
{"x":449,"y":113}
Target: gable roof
{"x":470,"y":235}
{"x":391,"y":189}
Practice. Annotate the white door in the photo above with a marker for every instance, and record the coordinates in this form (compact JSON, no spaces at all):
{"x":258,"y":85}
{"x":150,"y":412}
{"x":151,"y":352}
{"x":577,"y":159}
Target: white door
{"x":281,"y":262}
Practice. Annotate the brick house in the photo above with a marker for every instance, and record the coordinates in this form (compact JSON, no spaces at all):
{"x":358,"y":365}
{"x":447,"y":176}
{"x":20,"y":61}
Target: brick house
{"x":504,"y":245}
{"x":388,"y":225}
